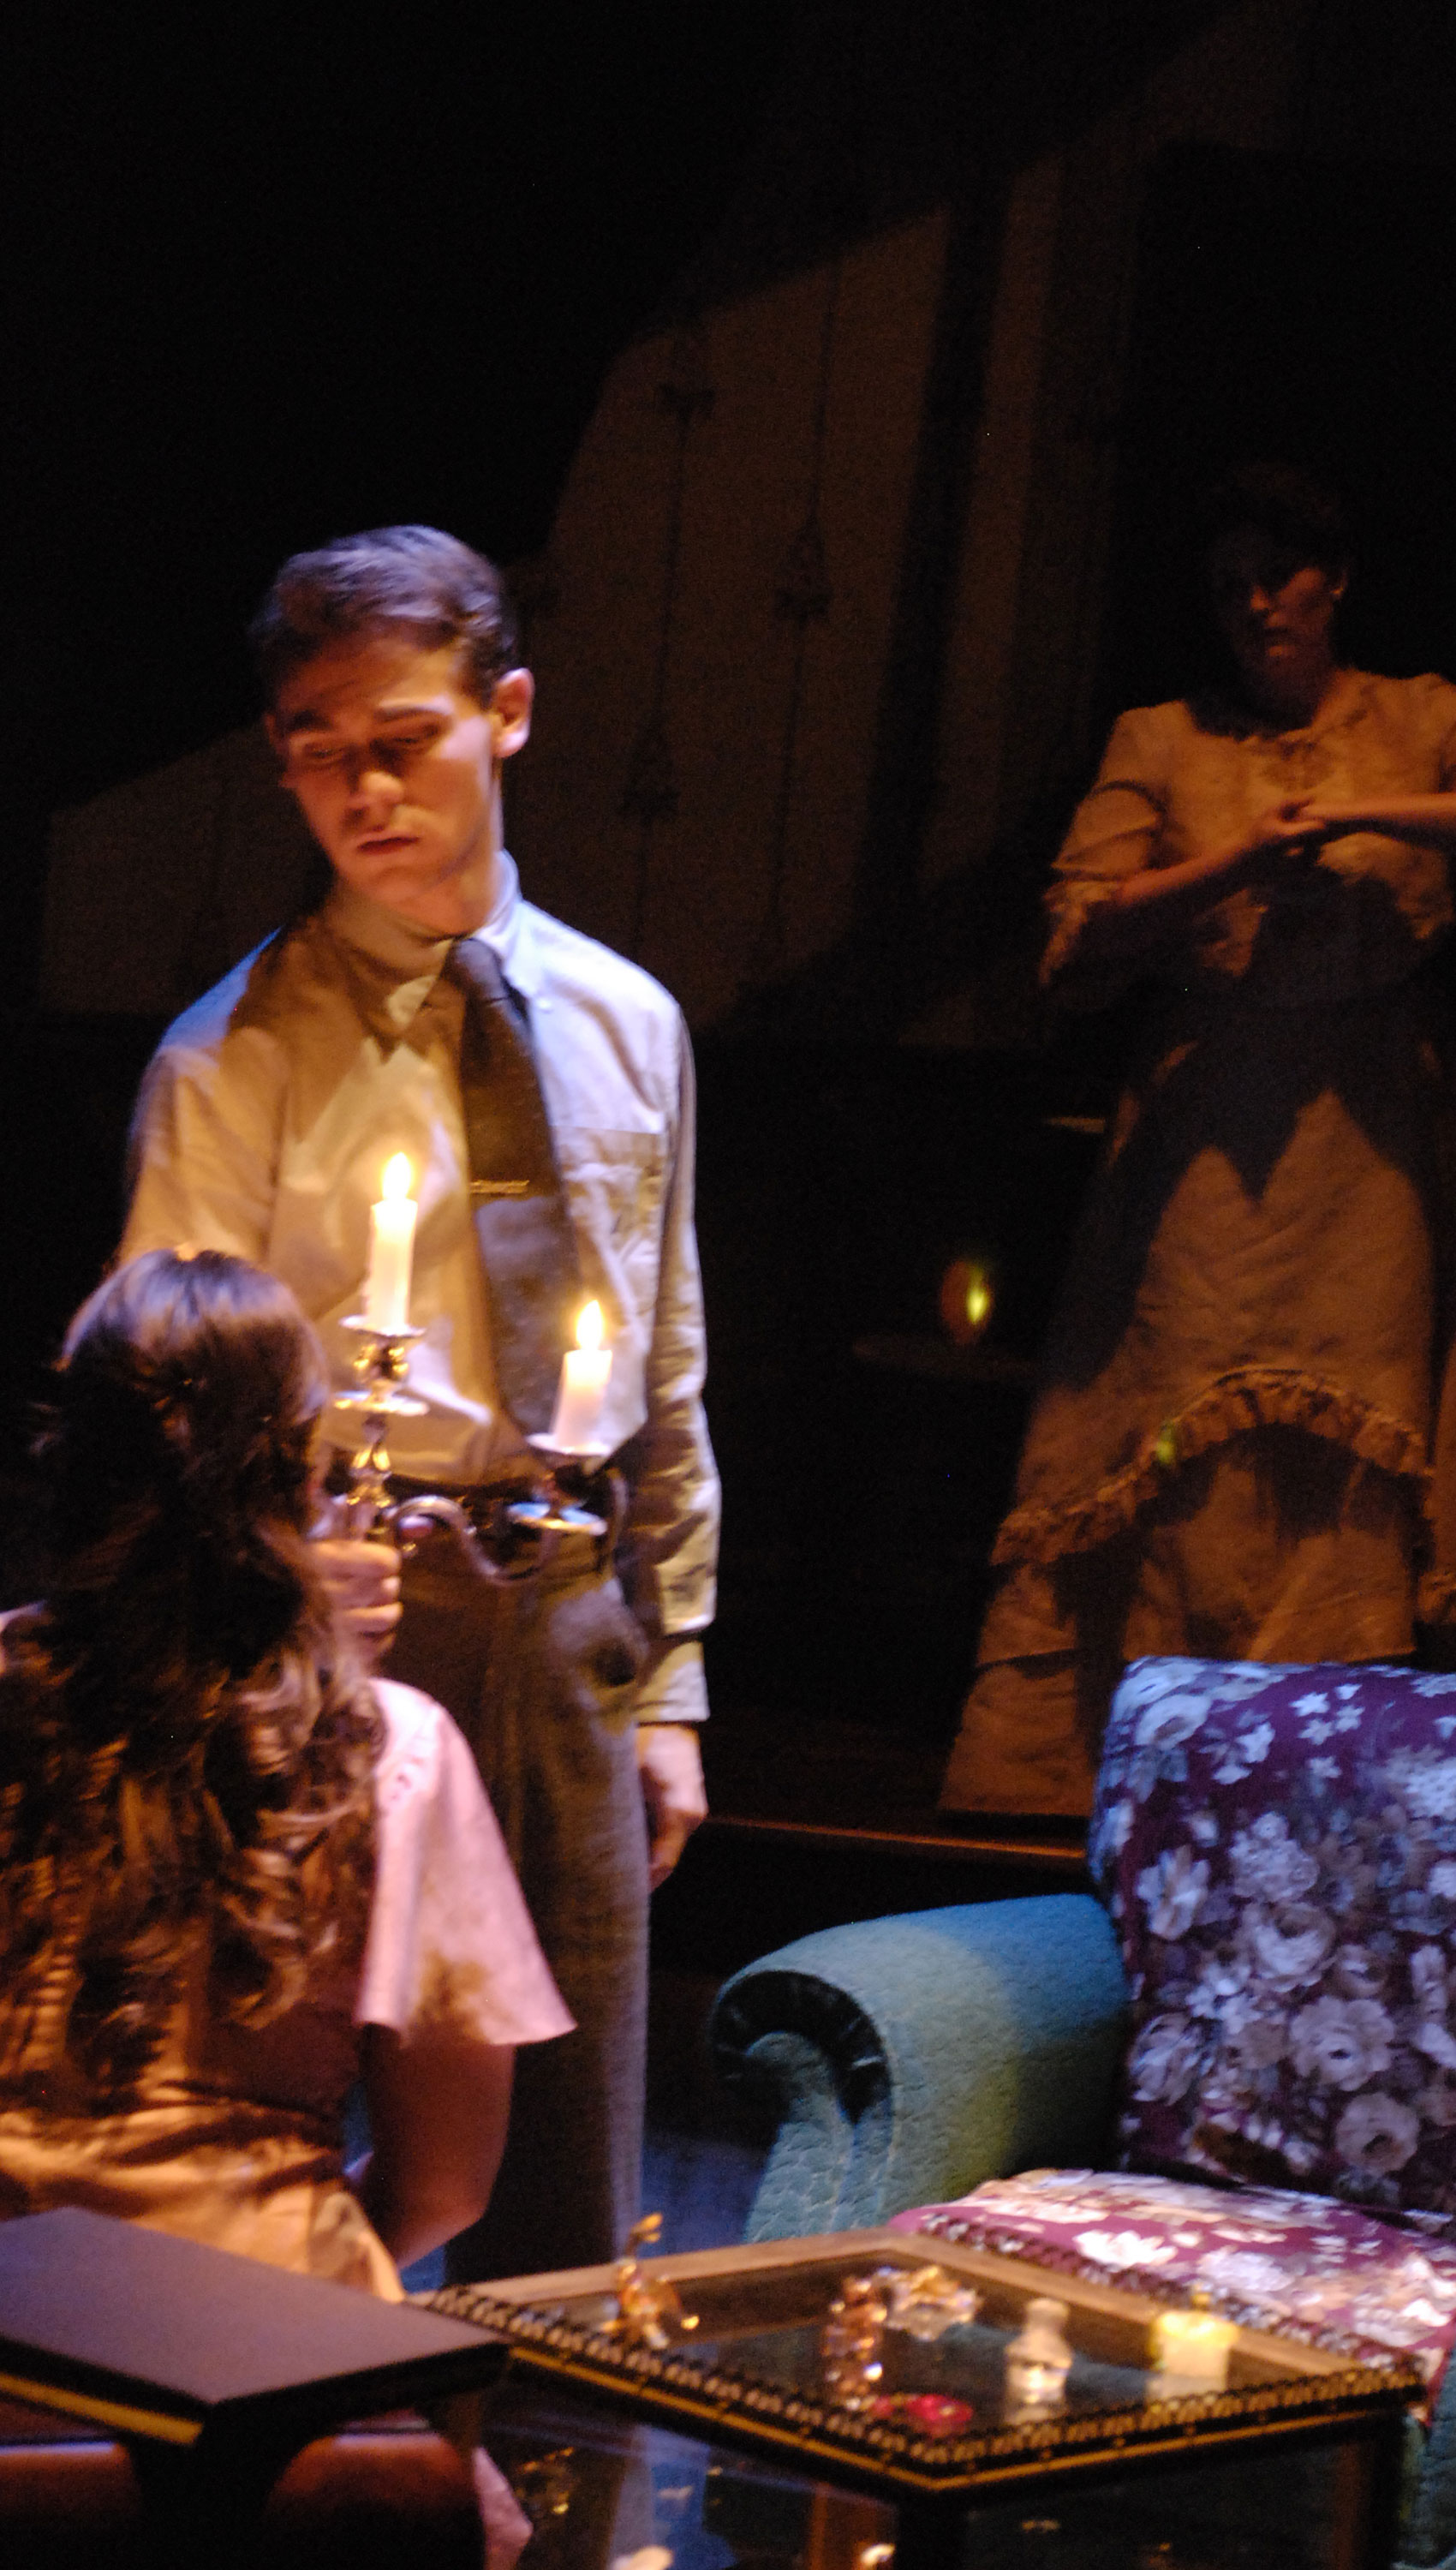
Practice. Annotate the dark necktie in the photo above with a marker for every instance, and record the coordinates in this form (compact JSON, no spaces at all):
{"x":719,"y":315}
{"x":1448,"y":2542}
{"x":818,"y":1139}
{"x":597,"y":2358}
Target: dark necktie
{"x":522,"y":1223}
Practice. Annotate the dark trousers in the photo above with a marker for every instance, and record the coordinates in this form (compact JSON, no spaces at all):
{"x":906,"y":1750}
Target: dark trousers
{"x":540,"y":1673}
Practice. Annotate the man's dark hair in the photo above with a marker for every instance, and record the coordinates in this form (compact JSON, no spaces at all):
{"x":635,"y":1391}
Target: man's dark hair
{"x":393,"y":579}
{"x":1298,"y":513}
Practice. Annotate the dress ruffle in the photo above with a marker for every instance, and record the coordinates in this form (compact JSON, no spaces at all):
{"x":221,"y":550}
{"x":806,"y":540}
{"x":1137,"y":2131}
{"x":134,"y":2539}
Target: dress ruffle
{"x":1247,"y":1397}
{"x":1435,"y":1597}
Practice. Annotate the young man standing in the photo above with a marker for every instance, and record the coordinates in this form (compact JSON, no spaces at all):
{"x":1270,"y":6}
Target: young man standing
{"x":541,"y":1090}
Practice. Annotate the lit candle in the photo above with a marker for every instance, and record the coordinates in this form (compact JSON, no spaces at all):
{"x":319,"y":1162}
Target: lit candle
{"x":582,"y":1392}
{"x":391,"y":1249}
{"x":1191,"y":2349}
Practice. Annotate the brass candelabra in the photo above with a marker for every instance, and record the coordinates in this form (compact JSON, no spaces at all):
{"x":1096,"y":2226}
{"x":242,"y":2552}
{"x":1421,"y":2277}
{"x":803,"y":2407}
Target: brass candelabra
{"x":522,"y":1531}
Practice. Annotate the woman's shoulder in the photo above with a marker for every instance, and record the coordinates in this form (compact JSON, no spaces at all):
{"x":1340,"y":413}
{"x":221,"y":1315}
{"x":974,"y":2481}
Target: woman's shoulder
{"x":446,"y":1914}
{"x":415,"y":1736}
{"x":1178,"y":715}
{"x":424,"y":1772}
{"x":1146,"y":744}
{"x":1426,"y":698}
{"x":408,"y":1712}
{"x":1427,"y":682}
{"x":1162,"y":728}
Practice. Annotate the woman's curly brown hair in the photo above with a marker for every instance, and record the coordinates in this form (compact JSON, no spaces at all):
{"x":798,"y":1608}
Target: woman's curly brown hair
{"x":184,"y":1742}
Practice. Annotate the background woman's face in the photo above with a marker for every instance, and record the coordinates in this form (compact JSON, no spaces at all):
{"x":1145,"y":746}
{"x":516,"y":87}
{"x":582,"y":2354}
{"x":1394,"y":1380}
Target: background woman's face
{"x":1273,"y":610}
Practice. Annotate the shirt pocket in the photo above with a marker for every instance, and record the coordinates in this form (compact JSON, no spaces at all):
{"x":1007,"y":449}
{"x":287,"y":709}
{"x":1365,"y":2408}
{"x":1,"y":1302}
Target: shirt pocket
{"x":616,"y":1183}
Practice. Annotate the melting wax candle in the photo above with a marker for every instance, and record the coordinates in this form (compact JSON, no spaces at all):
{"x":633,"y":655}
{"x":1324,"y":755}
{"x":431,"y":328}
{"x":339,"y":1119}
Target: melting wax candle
{"x":391,"y":1249}
{"x":582,"y":1392}
{"x":1191,"y":2349}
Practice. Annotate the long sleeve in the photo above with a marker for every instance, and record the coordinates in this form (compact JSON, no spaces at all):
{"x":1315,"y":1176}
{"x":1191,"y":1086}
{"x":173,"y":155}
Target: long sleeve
{"x":269,"y":1111}
{"x":1116,"y":832}
{"x":202,"y":1157}
{"x":668,"y":1554}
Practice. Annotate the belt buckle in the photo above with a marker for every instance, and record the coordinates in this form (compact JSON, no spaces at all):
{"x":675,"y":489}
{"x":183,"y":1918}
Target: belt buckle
{"x":570,"y":1495}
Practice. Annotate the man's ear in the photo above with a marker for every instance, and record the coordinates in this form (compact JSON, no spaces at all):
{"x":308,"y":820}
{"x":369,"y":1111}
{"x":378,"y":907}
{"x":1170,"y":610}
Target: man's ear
{"x":277,"y":743}
{"x":511,"y":703}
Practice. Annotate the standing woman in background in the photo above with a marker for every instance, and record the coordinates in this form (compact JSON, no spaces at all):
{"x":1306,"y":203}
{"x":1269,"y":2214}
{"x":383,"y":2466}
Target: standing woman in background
{"x":1239,"y":1446}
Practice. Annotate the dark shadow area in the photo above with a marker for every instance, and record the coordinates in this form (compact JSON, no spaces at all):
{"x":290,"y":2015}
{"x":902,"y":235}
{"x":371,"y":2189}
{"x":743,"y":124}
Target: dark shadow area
{"x":1293,"y":309}
{"x":268,"y":286}
{"x":68,"y":1085}
{"x":866,"y":1462}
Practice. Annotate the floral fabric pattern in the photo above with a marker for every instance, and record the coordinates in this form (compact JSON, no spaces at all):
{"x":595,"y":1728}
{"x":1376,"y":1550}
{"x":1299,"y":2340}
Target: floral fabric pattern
{"x":1266,"y":2258}
{"x":1277,"y":1849}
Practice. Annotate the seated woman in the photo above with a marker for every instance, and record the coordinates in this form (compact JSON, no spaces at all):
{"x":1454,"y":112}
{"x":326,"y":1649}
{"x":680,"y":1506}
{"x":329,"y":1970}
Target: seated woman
{"x":236,"y":1873}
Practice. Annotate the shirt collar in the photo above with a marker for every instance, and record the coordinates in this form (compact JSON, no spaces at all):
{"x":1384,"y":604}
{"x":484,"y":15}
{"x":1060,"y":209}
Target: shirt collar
{"x":511,"y":932}
{"x":394,"y":966}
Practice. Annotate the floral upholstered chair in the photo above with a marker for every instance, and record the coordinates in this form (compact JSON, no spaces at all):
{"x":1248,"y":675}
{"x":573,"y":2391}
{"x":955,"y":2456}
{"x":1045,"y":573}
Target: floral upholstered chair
{"x":1232,"y":2071}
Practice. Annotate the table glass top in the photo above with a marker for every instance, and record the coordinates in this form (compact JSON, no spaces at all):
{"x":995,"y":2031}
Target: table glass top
{"x":930,"y":2363}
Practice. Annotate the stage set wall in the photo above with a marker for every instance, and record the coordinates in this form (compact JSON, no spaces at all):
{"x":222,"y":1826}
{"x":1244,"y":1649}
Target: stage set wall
{"x":858,"y":548}
{"x":870,"y":534}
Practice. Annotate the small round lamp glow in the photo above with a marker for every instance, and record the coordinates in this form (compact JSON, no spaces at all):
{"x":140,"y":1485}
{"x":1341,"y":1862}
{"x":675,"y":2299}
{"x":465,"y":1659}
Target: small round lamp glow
{"x":967,"y":1299}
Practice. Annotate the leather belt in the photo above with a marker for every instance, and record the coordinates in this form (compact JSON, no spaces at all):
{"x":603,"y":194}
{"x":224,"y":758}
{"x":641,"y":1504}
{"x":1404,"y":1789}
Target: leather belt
{"x":501,"y":1513}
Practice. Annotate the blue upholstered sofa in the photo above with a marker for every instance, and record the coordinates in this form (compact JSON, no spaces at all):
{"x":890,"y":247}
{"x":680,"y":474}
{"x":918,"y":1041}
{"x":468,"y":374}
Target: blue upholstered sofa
{"x":908,"y":2060}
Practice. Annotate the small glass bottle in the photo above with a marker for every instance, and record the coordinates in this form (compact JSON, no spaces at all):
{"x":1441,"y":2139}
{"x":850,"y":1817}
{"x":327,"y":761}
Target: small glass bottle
{"x":1039,"y":2359}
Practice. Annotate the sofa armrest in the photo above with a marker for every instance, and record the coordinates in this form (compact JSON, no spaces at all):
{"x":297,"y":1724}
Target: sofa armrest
{"x":909,"y":2059}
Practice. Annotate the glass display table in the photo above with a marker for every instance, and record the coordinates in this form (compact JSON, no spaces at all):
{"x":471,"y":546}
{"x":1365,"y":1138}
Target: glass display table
{"x":920,"y":2396}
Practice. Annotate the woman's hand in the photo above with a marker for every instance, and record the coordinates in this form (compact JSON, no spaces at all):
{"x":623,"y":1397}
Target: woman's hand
{"x":1282,"y":846}
{"x":1299,"y":822}
{"x":362,"y":1578}
{"x":1396,"y":816}
{"x":1156,"y":907}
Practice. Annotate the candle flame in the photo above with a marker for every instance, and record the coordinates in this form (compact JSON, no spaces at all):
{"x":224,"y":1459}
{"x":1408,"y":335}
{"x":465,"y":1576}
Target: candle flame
{"x":397,"y":1180}
{"x":589,"y":1326}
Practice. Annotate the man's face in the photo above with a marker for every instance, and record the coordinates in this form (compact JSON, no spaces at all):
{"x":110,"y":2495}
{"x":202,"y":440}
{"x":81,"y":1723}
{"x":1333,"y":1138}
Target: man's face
{"x":396,"y":769}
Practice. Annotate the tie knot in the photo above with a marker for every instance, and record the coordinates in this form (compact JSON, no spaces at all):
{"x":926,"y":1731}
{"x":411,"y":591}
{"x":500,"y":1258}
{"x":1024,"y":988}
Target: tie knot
{"x":477,"y":966}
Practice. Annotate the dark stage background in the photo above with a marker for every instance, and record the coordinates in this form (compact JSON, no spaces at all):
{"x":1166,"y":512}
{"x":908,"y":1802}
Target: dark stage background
{"x":275,"y":274}
{"x":271,"y":277}
{"x":1290,"y":308}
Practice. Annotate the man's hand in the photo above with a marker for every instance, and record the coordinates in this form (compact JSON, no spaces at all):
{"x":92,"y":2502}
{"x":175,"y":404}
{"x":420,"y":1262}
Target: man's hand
{"x":670,"y":1765}
{"x":362,"y":1578}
